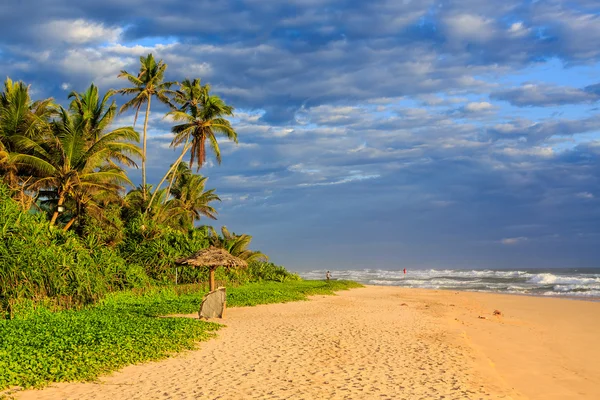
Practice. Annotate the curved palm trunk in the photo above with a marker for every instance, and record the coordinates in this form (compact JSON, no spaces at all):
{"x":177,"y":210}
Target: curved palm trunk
{"x":68,"y":225}
{"x":61,"y":200}
{"x":144,"y":150}
{"x":176,"y":165}
{"x":170,"y":186}
{"x":173,"y":167}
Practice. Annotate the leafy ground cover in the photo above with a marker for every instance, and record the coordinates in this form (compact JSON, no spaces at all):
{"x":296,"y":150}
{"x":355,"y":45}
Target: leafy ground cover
{"x":40,"y":347}
{"x":272,"y":292}
{"x":185,"y":299}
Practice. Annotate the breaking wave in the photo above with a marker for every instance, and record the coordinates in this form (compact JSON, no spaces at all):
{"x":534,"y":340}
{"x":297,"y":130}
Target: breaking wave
{"x":584,"y":283}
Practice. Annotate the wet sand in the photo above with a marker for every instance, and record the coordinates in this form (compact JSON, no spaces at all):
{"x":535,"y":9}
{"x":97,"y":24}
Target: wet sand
{"x":377,"y":343}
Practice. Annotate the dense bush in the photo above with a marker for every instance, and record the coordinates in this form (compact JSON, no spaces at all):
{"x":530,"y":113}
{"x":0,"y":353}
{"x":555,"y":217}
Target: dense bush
{"x":109,"y":230}
{"x":156,"y":248}
{"x":267,"y":271}
{"x":63,"y":270}
{"x":39,"y":262}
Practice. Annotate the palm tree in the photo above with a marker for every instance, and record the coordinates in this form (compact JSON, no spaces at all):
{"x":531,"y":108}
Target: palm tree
{"x":191,"y":201}
{"x":20,"y":116}
{"x":69,"y":168}
{"x":202,"y":117}
{"x":236,"y":245}
{"x":93,"y":113}
{"x":147,"y":84}
{"x":134,"y":200}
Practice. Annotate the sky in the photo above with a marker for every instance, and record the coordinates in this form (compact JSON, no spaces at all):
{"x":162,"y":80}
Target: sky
{"x":373,"y":134}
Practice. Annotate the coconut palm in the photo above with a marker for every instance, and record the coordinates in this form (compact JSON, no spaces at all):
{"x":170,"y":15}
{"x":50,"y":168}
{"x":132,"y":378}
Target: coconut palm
{"x":68,"y":168}
{"x":191,"y":201}
{"x":237,"y":245}
{"x":147,"y":84}
{"x":20,"y":116}
{"x":134,"y":200}
{"x":202,"y":116}
{"x":93,"y":112}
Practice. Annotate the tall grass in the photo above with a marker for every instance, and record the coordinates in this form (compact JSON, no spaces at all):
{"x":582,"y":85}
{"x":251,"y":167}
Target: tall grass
{"x":38,"y":262}
{"x":156,"y":248}
{"x":44,"y":266}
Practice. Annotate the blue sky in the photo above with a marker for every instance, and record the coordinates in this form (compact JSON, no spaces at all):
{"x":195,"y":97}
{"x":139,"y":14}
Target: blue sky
{"x":372,"y":134}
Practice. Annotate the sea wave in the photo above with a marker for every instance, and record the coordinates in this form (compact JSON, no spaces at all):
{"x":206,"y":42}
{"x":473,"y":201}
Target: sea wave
{"x":565,"y":282}
{"x":550,"y":279}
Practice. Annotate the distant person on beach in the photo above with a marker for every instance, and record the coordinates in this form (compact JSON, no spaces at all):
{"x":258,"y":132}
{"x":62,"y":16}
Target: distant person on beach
{"x":328,"y":275}
{"x":404,"y":271}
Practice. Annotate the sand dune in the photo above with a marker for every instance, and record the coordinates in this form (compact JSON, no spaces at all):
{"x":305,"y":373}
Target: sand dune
{"x":361,"y":344}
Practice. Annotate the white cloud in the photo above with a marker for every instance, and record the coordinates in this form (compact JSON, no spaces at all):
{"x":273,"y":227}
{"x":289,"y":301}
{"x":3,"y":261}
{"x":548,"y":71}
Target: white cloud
{"x":585,"y":195}
{"x":529,"y":151}
{"x":513,"y":241}
{"x":477,"y":107}
{"x":518,"y":29}
{"x":469,"y":27}
{"x":80,"y":31}
{"x":352,"y":178}
{"x":138,"y":50}
{"x":94,"y":65}
{"x":544,"y":94}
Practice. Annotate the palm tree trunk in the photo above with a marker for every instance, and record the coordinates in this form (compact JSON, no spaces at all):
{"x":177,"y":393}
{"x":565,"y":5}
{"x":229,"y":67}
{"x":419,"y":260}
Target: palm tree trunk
{"x":185,"y":150}
{"x":68,"y":225}
{"x":144,"y":149}
{"x":176,"y":165}
{"x":61,"y":200}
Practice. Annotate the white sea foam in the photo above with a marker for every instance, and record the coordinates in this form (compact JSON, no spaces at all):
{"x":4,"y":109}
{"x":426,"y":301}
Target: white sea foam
{"x":557,"y":282}
{"x":591,"y":293}
{"x":551,"y":279}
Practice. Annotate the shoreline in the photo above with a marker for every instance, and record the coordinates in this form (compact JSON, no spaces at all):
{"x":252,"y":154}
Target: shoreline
{"x":562,"y":282}
{"x":377,"y":342}
{"x":593,"y":299}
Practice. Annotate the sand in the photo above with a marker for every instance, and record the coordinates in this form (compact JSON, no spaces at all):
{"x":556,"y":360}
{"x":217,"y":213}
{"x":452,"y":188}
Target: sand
{"x":377,"y":343}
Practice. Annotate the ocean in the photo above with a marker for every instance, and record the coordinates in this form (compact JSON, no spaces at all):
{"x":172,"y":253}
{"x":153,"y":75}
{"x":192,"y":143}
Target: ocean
{"x":570,"y":282}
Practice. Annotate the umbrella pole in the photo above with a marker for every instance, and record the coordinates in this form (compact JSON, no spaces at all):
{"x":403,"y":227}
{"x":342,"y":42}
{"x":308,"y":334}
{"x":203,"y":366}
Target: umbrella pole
{"x":212,"y":279}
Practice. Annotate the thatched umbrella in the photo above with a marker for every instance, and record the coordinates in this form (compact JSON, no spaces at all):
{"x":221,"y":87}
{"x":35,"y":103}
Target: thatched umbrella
{"x":212,"y":258}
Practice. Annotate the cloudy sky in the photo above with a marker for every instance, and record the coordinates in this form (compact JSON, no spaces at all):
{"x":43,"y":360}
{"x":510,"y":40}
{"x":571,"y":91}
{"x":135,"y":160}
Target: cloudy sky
{"x":382,"y":133}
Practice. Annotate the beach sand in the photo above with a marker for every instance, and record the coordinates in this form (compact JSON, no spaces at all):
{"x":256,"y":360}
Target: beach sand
{"x":377,"y":343}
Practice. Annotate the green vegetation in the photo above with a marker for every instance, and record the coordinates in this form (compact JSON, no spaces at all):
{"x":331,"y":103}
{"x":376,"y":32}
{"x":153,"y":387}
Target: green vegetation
{"x":40,"y":263}
{"x":80,"y":345}
{"x":271,"y":292}
{"x":39,"y":347}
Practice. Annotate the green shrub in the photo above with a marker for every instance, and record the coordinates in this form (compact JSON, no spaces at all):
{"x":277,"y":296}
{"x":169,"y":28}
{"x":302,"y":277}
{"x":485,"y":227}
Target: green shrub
{"x":267,"y":271}
{"x":156,"y":248}
{"x":43,"y":267}
{"x":107,"y":231}
{"x":38,"y":261}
